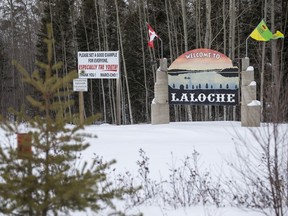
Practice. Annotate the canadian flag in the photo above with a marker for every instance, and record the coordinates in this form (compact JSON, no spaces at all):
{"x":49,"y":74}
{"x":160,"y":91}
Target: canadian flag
{"x":152,"y":35}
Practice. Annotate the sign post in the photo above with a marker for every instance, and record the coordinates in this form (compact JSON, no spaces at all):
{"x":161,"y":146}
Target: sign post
{"x":80,"y":85}
{"x":118,"y":96}
{"x":81,"y":108}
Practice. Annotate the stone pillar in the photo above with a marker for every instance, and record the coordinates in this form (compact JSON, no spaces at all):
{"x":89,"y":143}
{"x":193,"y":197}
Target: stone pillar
{"x":250,"y":107}
{"x":160,"y":105}
{"x":245,"y":63}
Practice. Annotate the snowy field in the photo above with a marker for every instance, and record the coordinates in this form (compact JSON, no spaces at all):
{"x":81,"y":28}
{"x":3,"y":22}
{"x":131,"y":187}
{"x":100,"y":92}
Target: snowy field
{"x":166,"y":145}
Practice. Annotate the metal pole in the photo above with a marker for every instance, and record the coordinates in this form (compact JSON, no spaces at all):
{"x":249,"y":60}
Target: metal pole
{"x":161,"y":48}
{"x":246,"y":55}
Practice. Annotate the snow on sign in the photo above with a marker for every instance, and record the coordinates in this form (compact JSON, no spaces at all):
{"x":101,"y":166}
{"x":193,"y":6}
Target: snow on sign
{"x":80,"y":85}
{"x":98,"y":65}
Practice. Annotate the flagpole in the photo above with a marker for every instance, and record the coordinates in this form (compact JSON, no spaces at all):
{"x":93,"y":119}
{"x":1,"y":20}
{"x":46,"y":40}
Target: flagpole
{"x":247,"y":46}
{"x":161,"y":48}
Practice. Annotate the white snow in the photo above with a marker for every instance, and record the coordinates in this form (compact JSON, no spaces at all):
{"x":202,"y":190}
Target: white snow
{"x":253,"y":83}
{"x":254,"y":103}
{"x":250,"y":68}
{"x":166,"y":144}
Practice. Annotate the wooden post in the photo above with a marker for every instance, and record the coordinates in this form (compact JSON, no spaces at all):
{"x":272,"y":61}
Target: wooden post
{"x":81,"y":108}
{"x":118,"y":96}
{"x":118,"y":104}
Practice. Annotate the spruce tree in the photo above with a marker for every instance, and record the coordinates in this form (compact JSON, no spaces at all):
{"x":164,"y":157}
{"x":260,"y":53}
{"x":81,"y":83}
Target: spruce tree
{"x":46,"y":181}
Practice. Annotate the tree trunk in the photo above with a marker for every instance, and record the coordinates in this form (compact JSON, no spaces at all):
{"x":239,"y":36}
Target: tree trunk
{"x":232,"y":30}
{"x":208,"y":31}
{"x":124,"y":63}
{"x":207,"y":44}
{"x":184,"y":20}
{"x":141,"y":24}
{"x":232,"y":24}
{"x":100,"y":47}
{"x":263,"y":67}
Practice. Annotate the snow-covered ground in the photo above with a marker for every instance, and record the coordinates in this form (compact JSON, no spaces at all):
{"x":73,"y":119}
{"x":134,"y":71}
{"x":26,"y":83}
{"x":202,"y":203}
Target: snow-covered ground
{"x":167,"y":145}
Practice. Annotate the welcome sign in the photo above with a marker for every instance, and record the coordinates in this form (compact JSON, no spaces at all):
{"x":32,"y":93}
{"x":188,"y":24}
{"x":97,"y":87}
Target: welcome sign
{"x":203,"y":76}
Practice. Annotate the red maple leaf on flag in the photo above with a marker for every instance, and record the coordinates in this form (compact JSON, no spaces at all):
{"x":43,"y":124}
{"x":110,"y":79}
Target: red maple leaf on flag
{"x":152,"y":35}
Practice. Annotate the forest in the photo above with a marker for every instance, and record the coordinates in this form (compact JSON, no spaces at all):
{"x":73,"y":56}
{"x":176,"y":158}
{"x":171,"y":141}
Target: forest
{"x":112,"y":25}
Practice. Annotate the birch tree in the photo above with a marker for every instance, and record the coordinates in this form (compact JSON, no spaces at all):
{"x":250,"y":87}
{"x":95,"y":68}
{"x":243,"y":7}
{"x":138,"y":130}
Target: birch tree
{"x":124,"y":63}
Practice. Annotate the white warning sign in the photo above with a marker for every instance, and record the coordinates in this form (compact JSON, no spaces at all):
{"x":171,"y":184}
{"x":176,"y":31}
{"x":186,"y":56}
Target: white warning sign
{"x":80,"y":85}
{"x":98,"y":65}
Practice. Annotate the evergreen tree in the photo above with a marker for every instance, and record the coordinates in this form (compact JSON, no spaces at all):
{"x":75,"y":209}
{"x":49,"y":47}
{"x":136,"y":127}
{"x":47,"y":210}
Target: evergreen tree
{"x":58,"y":13}
{"x":3,"y":76}
{"x":87,"y":40}
{"x":46,"y":180}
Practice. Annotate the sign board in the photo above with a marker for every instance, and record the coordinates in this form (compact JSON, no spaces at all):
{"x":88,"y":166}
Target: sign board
{"x":80,"y":85}
{"x":98,"y":65}
{"x":24,"y":141}
{"x":203,"y":77}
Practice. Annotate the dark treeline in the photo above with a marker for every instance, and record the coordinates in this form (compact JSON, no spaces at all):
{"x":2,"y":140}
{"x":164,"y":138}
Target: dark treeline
{"x":108,"y":25}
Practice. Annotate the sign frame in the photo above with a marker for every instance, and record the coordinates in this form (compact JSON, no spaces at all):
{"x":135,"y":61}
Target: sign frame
{"x":203,"y":77}
{"x":98,"y":65}
{"x":80,"y":84}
